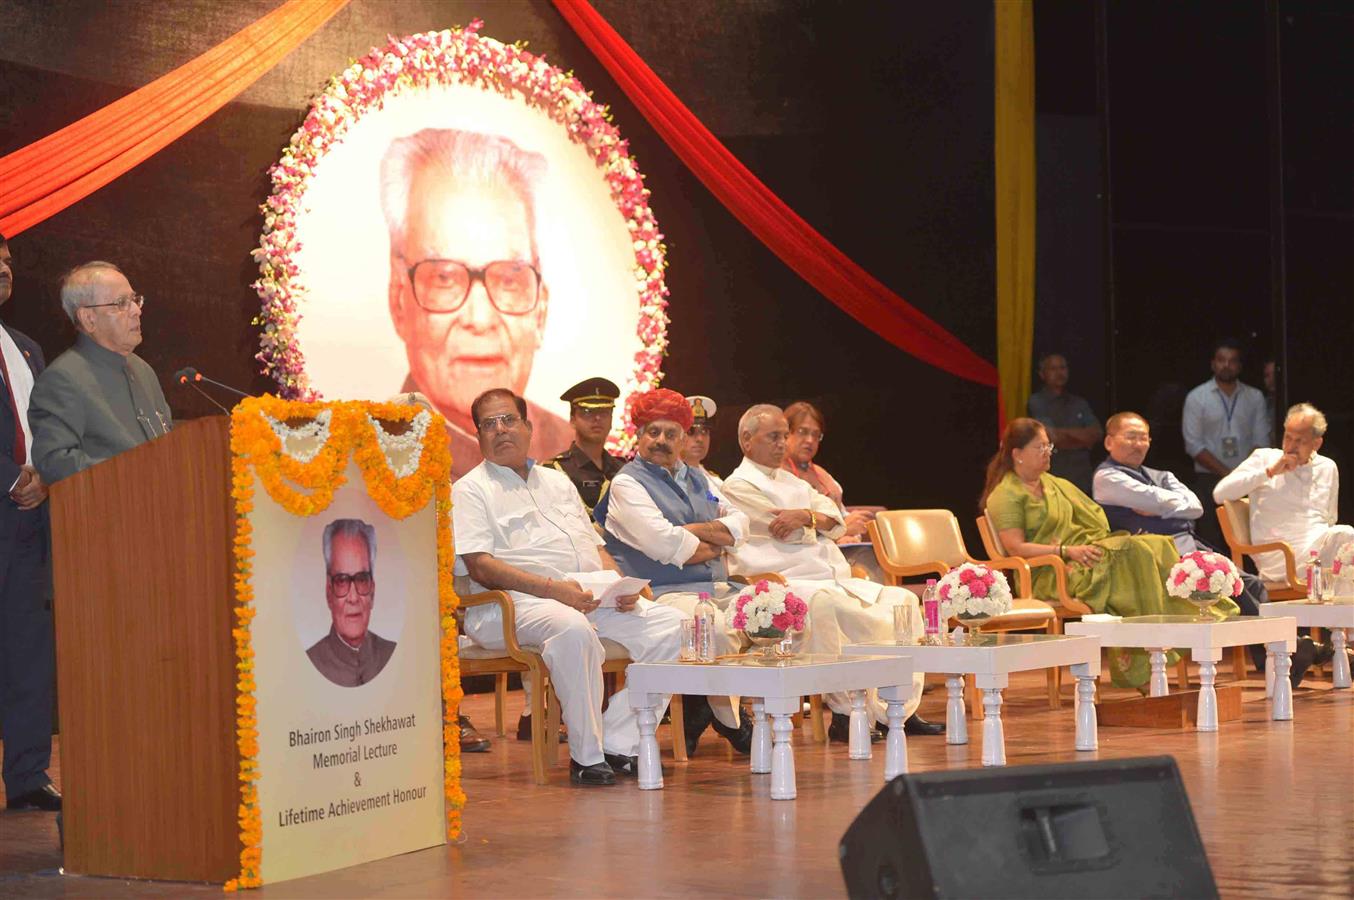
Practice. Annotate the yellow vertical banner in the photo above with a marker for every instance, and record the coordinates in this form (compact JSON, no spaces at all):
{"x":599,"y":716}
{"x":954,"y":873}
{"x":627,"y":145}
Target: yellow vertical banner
{"x":1014,"y":153}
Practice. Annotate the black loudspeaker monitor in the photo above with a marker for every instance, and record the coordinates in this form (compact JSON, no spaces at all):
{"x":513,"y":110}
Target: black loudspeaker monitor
{"x":1119,"y":828}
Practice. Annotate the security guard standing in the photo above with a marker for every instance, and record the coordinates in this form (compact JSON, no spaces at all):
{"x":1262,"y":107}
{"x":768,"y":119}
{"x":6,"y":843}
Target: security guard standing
{"x":587,"y":463}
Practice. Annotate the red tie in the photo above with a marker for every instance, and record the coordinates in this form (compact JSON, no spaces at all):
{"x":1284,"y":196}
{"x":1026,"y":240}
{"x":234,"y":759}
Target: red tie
{"x":20,"y":445}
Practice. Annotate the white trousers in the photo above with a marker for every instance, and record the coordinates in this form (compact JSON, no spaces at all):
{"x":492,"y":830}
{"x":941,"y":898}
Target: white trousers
{"x":836,"y":618}
{"x":1326,"y":544}
{"x":728,"y":640}
{"x":570,"y":643}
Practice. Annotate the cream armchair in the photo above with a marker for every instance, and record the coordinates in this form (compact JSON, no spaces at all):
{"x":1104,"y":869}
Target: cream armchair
{"x":912,"y":542}
{"x":1235,"y":518}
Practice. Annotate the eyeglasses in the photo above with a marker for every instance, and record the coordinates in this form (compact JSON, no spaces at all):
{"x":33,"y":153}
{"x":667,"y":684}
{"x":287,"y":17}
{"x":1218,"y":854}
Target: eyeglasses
{"x":342,"y":582}
{"x":442,"y":285}
{"x":121,"y":304}
{"x":1046,"y":449}
{"x":490,"y":424}
{"x":805,"y":433}
{"x":698,"y":430}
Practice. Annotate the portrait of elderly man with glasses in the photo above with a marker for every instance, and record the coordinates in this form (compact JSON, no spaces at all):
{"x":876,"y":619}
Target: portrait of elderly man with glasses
{"x":351,"y":653}
{"x":98,"y":398}
{"x":466,"y":292}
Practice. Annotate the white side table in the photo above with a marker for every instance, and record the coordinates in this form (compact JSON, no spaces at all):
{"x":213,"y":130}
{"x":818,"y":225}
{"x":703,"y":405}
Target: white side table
{"x":778,"y":688}
{"x":1338,"y":617}
{"x":1205,"y":640}
{"x":991,"y":658}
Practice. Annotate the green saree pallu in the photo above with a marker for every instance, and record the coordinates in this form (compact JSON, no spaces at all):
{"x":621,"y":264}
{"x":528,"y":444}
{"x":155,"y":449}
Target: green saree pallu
{"x":1129,"y":580}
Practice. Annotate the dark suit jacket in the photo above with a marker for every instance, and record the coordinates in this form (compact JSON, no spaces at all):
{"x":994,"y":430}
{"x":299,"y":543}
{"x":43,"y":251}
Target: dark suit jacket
{"x":10,"y":514}
{"x":9,"y":469}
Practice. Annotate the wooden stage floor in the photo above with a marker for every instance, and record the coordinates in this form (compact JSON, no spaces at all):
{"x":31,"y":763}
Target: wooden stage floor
{"x":1273,"y":801}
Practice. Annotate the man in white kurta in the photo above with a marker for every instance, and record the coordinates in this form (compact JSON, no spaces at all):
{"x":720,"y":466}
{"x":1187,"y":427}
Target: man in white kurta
{"x":1294,"y":493}
{"x":792,"y":529}
{"x":522,"y":528}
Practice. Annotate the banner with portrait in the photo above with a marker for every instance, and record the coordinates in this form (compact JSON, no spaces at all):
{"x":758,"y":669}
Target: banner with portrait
{"x":343,"y":580}
{"x":457,"y":215}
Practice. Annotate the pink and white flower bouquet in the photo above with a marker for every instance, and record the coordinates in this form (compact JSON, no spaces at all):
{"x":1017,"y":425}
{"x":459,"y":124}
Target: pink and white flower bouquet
{"x":767,"y":610}
{"x":1203,"y":578}
{"x":973,"y":591}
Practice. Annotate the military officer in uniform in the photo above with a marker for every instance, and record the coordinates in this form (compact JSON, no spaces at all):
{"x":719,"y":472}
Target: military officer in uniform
{"x":703,"y":409}
{"x":587,"y":463}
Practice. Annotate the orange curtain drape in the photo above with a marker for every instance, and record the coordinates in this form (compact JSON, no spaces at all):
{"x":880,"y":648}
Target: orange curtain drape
{"x":45,"y":177}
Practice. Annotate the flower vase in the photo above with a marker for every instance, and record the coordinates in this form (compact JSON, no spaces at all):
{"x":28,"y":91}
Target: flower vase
{"x":768,"y":646}
{"x":971,"y":624}
{"x":1204,"y":602}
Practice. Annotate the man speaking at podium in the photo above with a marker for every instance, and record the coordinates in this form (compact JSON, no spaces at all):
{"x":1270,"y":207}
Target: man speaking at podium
{"x":98,"y":398}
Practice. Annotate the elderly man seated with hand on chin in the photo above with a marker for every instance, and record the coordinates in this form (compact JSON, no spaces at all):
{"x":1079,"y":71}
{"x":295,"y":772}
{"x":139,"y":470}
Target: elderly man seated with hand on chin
{"x":792,"y":530}
{"x":664,"y":521}
{"x":522,"y":528}
{"x":1294,"y":492}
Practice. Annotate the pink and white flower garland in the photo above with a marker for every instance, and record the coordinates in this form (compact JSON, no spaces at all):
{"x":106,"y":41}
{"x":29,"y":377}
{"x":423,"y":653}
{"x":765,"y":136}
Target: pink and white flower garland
{"x":769,"y":610}
{"x":973,"y":590}
{"x":450,"y":57}
{"x":1203,"y":574}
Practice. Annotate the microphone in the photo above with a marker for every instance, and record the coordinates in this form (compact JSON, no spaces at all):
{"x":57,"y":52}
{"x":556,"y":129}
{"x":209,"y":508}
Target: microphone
{"x":191,"y":376}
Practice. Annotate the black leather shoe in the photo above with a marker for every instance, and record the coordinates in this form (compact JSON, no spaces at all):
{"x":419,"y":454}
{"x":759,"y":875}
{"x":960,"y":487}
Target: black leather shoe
{"x":697,"y":716}
{"x":471,"y":740}
{"x":839,"y":732}
{"x":595,"y":775}
{"x":1324,"y":652}
{"x":628,"y":766}
{"x":46,"y":798}
{"x":739,"y":738}
{"x":915,"y":724}
{"x":524,"y":730}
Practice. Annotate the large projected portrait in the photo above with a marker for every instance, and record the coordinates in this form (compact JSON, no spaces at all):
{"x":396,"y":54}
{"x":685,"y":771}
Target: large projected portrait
{"x":449,"y":231}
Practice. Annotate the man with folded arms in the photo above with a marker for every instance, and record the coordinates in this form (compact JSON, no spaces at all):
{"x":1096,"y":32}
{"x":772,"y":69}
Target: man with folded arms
{"x":665,"y":522}
{"x":521,"y":528}
{"x":1295,"y":494}
{"x":793,"y":531}
{"x":1143,"y":500}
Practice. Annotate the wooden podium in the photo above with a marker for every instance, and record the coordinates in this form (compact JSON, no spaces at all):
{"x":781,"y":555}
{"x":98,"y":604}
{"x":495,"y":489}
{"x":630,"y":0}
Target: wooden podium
{"x":142,"y":559}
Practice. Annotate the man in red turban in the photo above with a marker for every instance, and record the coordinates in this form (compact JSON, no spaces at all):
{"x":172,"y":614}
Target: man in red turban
{"x":665,"y":522}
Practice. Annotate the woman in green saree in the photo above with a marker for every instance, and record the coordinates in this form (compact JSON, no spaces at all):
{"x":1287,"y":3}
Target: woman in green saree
{"x":1036,"y":514}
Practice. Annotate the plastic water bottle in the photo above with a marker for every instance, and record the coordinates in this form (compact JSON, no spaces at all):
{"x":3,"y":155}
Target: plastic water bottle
{"x":705,"y":629}
{"x":930,"y":604}
{"x":1314,"y":574}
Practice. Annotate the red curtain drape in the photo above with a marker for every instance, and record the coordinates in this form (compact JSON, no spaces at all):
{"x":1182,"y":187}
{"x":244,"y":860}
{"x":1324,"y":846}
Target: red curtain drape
{"x":43,"y":178}
{"x":787,"y":235}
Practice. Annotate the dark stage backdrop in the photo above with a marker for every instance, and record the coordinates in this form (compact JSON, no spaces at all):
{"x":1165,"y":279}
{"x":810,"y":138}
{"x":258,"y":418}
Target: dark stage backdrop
{"x":874,"y":121}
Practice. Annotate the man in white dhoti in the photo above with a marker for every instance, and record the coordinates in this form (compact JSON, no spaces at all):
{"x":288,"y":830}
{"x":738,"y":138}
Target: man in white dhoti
{"x":1294,"y":492}
{"x":792,"y":529}
{"x":667,"y":523}
{"x":522,"y":528}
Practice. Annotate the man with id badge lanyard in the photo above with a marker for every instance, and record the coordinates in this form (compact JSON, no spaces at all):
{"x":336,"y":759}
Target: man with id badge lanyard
{"x":1223,"y":422}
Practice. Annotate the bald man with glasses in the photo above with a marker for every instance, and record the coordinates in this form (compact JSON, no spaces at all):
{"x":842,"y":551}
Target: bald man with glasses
{"x":98,"y":399}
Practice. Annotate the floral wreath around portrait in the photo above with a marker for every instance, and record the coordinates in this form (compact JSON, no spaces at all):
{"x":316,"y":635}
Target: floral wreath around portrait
{"x":441,"y":58}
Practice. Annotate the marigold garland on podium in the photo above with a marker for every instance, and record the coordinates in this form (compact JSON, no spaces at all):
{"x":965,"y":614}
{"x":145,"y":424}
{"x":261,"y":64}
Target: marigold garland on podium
{"x":257,"y":646}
